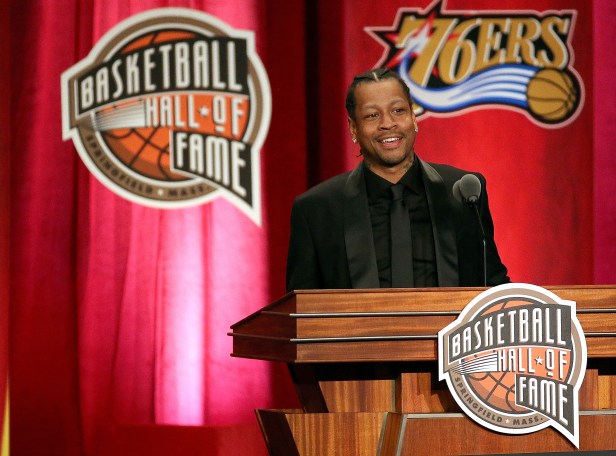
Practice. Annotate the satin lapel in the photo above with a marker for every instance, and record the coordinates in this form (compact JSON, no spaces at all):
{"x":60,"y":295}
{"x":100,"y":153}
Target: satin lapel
{"x":442,"y":214}
{"x":358,"y":233}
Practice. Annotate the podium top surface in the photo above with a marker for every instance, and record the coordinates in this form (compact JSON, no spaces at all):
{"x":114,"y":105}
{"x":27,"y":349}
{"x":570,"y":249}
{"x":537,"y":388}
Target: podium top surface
{"x":390,"y":324}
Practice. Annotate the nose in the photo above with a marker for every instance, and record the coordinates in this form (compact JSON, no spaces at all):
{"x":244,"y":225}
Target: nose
{"x":387,"y":122}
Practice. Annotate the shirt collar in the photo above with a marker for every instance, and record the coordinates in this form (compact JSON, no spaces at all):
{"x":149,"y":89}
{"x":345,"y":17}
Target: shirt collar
{"x":412,"y":178}
{"x":376,"y":186}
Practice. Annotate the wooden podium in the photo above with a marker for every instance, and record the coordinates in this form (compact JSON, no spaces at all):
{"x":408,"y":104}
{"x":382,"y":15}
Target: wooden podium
{"x":364,"y":364}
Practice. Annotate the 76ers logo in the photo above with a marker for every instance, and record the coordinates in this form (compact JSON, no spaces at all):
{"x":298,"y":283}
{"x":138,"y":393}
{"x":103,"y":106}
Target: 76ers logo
{"x":514,"y":360}
{"x":170,"y":109}
{"x":471,"y":59}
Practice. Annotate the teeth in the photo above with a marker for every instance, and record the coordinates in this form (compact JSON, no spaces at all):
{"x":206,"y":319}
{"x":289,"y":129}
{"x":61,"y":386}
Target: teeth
{"x":389,"y":139}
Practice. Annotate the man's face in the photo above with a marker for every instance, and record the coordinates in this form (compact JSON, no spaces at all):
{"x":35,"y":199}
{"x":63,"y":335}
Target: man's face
{"x":384,"y":125}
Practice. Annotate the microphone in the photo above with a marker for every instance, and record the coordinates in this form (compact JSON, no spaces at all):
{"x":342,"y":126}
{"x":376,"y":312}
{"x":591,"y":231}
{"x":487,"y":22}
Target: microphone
{"x":468,"y":190}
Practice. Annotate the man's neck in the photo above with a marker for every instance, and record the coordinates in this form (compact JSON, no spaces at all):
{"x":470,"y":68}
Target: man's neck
{"x":393,"y":173}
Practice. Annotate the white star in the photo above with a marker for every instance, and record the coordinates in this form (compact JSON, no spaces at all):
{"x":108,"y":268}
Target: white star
{"x":539,"y":360}
{"x":204,"y":111}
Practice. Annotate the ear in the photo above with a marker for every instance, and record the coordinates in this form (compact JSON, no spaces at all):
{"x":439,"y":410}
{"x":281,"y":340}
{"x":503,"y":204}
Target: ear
{"x":414,"y":118}
{"x":352,"y":127}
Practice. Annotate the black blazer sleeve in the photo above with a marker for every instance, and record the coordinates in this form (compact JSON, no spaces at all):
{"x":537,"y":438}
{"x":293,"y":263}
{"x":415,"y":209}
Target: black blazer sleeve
{"x":302,"y":265}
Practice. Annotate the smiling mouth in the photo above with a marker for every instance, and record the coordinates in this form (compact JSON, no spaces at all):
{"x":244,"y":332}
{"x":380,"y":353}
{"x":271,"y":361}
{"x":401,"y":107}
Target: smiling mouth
{"x":390,"y":140}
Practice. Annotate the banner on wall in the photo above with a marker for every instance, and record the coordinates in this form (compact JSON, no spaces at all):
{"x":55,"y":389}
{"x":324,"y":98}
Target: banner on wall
{"x":170,"y":109}
{"x":455,"y":61}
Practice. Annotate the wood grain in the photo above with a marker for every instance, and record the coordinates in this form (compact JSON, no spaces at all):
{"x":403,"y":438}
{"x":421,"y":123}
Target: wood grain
{"x":383,"y":434}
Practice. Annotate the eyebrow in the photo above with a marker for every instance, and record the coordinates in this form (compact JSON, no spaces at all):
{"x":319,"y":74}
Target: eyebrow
{"x":374,"y":105}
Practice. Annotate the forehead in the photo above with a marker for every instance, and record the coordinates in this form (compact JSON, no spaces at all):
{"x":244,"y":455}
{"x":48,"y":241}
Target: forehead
{"x":384,"y":92}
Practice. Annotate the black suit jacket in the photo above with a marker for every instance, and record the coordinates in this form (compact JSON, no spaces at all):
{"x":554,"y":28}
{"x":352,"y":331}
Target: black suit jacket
{"x":332,"y":246}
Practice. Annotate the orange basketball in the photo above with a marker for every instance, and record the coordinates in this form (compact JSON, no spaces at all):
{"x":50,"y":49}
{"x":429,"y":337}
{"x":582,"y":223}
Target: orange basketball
{"x":497,"y":389}
{"x":552,"y":95}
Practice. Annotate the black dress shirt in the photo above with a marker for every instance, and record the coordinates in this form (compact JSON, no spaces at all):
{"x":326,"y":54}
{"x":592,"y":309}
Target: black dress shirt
{"x":379,"y":201}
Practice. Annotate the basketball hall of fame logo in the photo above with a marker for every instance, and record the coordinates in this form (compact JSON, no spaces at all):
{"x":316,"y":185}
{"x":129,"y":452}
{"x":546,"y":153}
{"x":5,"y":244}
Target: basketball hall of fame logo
{"x":514,"y":360}
{"x":170,"y":109}
{"x":464,"y":60}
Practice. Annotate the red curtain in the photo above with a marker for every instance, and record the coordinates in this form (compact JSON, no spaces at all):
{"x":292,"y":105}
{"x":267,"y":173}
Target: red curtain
{"x":4,"y":229}
{"x":119,"y":313}
{"x":604,"y":135}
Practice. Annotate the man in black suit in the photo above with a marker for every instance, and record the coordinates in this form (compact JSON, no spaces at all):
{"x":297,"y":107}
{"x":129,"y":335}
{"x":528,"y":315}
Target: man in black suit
{"x":341,"y":229}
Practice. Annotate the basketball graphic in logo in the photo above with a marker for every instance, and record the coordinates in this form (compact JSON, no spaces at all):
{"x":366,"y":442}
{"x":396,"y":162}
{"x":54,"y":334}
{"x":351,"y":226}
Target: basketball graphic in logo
{"x":498,"y":389}
{"x":552,"y":96}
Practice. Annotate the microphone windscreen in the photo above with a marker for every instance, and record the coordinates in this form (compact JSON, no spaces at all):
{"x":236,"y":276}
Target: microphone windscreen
{"x":456,"y":192}
{"x":470,"y":187}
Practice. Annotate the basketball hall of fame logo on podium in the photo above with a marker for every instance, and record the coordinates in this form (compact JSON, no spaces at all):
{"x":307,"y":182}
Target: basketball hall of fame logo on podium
{"x":170,"y":109}
{"x":514,"y":360}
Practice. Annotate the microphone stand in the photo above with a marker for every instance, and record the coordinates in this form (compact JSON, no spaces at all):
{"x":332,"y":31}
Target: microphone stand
{"x":483,"y":240}
{"x":468,"y":189}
